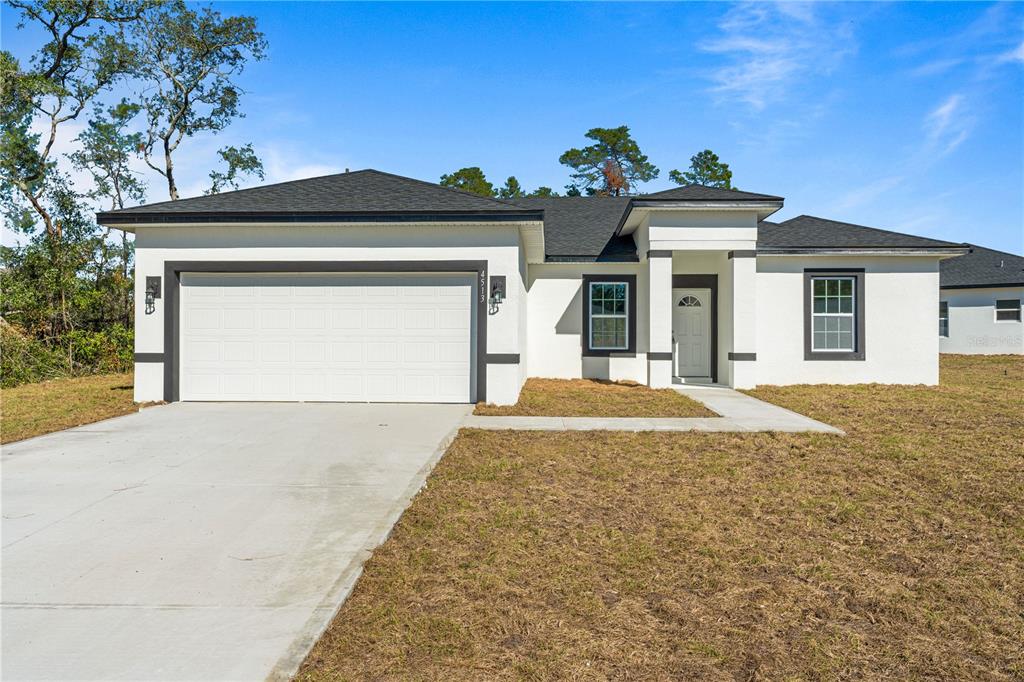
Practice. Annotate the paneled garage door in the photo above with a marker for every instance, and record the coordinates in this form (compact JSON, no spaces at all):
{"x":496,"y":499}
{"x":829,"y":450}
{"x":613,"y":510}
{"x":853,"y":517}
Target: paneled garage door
{"x":289,"y":337}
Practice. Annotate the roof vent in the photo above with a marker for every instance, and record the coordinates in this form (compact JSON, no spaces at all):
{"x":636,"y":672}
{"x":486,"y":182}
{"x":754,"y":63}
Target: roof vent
{"x":346,"y":170}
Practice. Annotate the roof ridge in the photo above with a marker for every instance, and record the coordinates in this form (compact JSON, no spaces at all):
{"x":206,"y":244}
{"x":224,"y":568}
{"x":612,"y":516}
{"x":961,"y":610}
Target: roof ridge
{"x":361,"y":171}
{"x":434,"y":185}
{"x":696,"y":185}
{"x":868,"y":227}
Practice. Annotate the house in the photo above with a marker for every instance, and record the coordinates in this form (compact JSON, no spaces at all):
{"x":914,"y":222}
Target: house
{"x":367,"y":286}
{"x":980,"y":303}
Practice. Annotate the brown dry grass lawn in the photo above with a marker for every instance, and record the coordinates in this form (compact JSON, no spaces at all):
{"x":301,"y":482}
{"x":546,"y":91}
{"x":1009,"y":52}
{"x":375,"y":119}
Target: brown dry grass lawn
{"x":590,"y":398}
{"x":896,"y":552}
{"x":35,"y":409}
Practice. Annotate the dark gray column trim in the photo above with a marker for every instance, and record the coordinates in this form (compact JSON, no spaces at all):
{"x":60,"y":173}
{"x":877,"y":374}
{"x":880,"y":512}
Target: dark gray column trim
{"x":660,"y":356}
{"x":858,"y":275}
{"x":704,"y":282}
{"x":743,"y":356}
{"x":172,"y":312}
{"x":628,"y":352}
{"x":660,"y":253}
{"x":503,"y":358}
{"x":743,"y":254}
{"x":149,"y":357}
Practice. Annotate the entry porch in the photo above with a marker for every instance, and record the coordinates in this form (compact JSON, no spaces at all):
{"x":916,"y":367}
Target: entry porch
{"x":702,"y":317}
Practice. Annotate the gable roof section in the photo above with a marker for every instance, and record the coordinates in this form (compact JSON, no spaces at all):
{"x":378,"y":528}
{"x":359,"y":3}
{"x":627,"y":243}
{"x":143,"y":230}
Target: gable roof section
{"x":583,"y":228}
{"x":982,"y":268}
{"x":702,"y":193}
{"x":365,"y":194}
{"x":805,"y":233}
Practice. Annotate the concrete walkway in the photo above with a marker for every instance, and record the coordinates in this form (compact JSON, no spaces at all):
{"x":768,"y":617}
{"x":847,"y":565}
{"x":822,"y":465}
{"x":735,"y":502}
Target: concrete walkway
{"x":739,"y":412}
{"x":200,"y":541}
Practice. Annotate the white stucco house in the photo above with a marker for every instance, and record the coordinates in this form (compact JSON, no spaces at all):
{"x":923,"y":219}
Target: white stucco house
{"x":980,"y":303}
{"x":366,"y":286}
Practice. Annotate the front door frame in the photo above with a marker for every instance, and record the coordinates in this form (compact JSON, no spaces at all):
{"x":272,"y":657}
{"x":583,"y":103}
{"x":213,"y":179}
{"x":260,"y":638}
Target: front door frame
{"x":704,"y":295}
{"x":702,"y":282}
{"x":172,"y":314}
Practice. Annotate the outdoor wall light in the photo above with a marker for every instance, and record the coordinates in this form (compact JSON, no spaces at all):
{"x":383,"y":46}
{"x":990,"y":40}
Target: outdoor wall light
{"x":152,"y":293}
{"x":497,"y":292}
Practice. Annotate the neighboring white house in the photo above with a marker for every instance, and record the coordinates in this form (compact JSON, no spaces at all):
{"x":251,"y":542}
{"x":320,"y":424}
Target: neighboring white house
{"x":367,"y":286}
{"x":980,"y":303}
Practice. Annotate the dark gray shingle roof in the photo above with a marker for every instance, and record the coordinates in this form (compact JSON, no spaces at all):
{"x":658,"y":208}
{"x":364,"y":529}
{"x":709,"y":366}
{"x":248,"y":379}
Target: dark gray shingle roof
{"x":807,"y":231}
{"x":583,"y":227}
{"x":980,"y":268}
{"x":574,"y":227}
{"x":701,"y":193}
{"x":364,"y":191}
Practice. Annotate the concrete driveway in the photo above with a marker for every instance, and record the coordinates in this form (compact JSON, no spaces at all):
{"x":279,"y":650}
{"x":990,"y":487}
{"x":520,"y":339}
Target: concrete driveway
{"x":197,"y":541}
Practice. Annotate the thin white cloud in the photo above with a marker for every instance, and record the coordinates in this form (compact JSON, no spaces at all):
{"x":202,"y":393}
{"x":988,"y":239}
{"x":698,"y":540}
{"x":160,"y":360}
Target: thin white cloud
{"x":867,"y":193}
{"x":767,"y":49}
{"x":948,"y":125}
{"x":280,"y":165}
{"x":1014,"y":55}
{"x":936,"y":67}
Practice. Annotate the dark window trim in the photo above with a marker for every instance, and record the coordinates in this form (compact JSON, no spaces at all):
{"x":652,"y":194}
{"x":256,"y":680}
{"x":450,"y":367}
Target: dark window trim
{"x":630,"y":349}
{"x":172,"y":312}
{"x":704,"y":282}
{"x":1015,"y":308}
{"x":858,"y":275}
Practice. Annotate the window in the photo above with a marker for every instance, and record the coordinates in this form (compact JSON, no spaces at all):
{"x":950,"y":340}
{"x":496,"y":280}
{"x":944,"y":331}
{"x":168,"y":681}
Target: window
{"x":1008,"y":310}
{"x":943,"y":318}
{"x":609,"y":314}
{"x":834,"y":314}
{"x":689,"y":302}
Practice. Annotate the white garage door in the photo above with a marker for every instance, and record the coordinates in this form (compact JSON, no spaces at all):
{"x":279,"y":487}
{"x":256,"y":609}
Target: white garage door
{"x":375,"y":338}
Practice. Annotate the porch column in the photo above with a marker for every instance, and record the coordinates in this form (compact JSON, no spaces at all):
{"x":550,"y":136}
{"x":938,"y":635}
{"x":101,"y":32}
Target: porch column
{"x":659,"y":318}
{"x":742,"y":354}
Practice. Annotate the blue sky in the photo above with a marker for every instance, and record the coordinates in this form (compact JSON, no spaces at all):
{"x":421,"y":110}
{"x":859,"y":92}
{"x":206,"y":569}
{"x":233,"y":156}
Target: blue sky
{"x":902,"y":116}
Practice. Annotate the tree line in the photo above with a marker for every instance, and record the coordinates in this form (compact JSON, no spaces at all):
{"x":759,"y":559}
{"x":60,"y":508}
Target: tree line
{"x":67,"y":288}
{"x":612,"y":166}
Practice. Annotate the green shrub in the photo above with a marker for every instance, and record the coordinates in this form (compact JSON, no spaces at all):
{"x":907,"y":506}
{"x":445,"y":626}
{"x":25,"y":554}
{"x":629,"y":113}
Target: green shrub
{"x":102,"y":352}
{"x":24,"y":359}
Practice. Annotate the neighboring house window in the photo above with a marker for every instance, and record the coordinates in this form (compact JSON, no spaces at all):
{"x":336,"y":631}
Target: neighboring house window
{"x":943,"y":318}
{"x":834,"y":314}
{"x":1008,"y":310}
{"x":609,"y":314}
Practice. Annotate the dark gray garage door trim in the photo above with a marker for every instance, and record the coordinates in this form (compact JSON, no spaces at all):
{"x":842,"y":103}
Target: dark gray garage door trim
{"x":172,"y":312}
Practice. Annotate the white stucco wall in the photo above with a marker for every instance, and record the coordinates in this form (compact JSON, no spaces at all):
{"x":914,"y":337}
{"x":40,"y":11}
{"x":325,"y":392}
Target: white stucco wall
{"x":901,"y":322}
{"x":555,"y":312}
{"x":700,"y":230}
{"x":972,"y":322}
{"x":499,"y":245}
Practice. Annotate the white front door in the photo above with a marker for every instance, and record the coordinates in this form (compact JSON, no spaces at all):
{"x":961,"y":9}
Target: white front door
{"x":691,"y":330}
{"x":327,"y":337}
